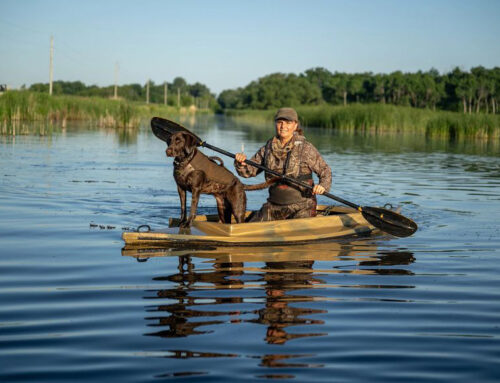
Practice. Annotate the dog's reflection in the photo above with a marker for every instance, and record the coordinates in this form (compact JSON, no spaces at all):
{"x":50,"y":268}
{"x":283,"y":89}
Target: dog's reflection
{"x":187,"y":304}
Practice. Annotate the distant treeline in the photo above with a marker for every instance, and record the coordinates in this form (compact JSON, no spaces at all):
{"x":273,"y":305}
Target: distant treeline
{"x":474,"y":91}
{"x":179,"y":92}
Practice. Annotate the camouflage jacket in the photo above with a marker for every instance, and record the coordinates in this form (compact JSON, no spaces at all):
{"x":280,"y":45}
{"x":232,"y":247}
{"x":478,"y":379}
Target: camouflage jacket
{"x":304,"y":160}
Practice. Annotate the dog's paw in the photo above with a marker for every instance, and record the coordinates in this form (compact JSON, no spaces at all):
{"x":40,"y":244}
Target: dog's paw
{"x":185,"y":224}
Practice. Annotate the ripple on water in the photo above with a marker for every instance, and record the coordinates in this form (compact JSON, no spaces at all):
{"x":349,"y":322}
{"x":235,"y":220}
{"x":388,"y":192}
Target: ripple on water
{"x":424,"y":308}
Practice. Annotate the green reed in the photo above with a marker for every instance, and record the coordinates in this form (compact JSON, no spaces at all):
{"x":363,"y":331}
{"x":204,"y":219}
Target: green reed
{"x":22,"y":106}
{"x":387,"y":118}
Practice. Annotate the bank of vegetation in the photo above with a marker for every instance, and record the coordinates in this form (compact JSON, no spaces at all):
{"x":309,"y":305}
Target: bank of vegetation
{"x":17,"y":107}
{"x":459,"y":103}
{"x":380,"y":118}
{"x":455,"y":104}
{"x":73,"y":100}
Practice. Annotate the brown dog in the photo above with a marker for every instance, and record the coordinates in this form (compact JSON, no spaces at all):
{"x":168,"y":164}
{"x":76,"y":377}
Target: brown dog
{"x":197,"y":173}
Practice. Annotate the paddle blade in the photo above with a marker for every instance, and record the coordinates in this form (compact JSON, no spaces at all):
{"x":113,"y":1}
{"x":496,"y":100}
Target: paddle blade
{"x":163,"y":129}
{"x":389,"y":221}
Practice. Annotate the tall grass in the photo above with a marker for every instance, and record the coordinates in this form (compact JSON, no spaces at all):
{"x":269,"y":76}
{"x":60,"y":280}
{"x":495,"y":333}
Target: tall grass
{"x":22,"y":106}
{"x":387,"y":118}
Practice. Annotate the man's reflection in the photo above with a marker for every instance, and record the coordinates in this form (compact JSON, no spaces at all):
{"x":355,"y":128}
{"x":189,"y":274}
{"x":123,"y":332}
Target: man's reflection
{"x":281,"y":278}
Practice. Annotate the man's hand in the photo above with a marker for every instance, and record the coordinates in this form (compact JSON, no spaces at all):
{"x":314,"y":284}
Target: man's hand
{"x":318,"y":189}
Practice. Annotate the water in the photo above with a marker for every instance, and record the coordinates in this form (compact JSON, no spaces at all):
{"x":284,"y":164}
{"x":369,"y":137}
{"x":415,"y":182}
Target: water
{"x":73,"y":307}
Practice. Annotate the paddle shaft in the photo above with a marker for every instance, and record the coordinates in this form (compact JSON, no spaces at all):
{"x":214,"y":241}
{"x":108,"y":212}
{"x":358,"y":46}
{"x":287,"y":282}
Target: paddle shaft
{"x":282,"y":176}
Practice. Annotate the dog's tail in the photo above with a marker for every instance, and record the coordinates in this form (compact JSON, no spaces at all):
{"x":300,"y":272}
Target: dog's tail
{"x":215,"y":159}
{"x":262,"y":185}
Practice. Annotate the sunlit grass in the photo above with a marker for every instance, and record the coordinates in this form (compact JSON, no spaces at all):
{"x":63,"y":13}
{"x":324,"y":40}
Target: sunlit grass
{"x":387,"y":118}
{"x":24,"y":106}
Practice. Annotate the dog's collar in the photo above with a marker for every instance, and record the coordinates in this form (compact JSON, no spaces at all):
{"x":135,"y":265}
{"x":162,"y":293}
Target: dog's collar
{"x":186,"y":160}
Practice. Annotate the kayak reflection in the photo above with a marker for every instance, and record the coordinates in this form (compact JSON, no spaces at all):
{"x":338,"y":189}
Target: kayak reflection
{"x":204,"y":290}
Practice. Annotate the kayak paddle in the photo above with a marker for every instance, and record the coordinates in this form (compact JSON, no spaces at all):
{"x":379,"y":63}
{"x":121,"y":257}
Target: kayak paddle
{"x":383,"y":219}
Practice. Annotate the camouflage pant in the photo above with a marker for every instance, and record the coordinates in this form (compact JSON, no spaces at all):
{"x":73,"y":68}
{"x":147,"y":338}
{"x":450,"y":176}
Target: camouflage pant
{"x":272,"y":212}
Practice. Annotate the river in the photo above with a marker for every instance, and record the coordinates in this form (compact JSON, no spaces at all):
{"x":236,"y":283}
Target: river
{"x":75,"y":308}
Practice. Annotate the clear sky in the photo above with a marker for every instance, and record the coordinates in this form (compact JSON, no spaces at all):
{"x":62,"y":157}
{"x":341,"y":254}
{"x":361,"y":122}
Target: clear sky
{"x":226,"y":44}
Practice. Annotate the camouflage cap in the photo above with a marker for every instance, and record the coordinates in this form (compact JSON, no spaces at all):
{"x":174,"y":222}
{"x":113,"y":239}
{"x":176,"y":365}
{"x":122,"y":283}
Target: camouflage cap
{"x":286,"y":114}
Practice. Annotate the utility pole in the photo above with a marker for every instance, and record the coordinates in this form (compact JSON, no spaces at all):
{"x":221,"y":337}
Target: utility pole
{"x":116,"y":81}
{"x":147,"y":92}
{"x":178,"y":97}
{"x":51,"y":66}
{"x":165,"y":90}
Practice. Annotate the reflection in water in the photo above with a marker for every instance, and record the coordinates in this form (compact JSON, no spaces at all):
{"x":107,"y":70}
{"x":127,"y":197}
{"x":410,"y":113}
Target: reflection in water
{"x":291,"y":279}
{"x":327,"y":140}
{"x":127,"y":136}
{"x":281,"y":279}
{"x":371,"y":141}
{"x":187,"y":304}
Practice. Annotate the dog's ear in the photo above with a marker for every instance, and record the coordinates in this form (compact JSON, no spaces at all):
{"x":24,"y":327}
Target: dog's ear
{"x":190,"y":140}
{"x":189,"y":143}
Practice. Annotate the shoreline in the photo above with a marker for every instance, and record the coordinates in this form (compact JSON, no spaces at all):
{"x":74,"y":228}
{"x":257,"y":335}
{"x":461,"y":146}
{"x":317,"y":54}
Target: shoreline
{"x":17,"y":107}
{"x":382,"y":118}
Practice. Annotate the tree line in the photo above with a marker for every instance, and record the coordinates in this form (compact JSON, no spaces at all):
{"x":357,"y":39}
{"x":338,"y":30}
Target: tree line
{"x":474,"y":91}
{"x":179,"y":92}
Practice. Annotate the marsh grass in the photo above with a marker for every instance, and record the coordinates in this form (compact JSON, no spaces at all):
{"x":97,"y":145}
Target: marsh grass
{"x":18,"y":107}
{"x":381,"y":118}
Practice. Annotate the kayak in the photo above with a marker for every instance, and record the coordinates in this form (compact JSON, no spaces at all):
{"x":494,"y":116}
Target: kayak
{"x":331,"y":223}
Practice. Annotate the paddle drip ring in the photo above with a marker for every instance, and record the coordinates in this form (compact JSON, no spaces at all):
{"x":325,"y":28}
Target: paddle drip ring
{"x":147,"y":227}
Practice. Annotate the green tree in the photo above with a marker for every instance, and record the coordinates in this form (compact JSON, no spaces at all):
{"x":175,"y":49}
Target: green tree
{"x":354,"y":86}
{"x":379,"y":84}
{"x":482,"y":87}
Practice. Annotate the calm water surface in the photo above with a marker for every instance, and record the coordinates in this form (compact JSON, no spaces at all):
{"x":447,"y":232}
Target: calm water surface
{"x":75,"y":307}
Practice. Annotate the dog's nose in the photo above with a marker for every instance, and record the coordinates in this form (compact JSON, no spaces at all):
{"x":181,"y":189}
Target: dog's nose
{"x":169,"y":152}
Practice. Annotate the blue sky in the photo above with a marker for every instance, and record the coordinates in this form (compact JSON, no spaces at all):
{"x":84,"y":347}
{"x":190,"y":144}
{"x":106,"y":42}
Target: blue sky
{"x":227,"y":44}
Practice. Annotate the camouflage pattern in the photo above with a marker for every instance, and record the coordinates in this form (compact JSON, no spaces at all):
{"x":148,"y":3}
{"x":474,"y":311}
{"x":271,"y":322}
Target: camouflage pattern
{"x":304,"y":160}
{"x":273,"y":212}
